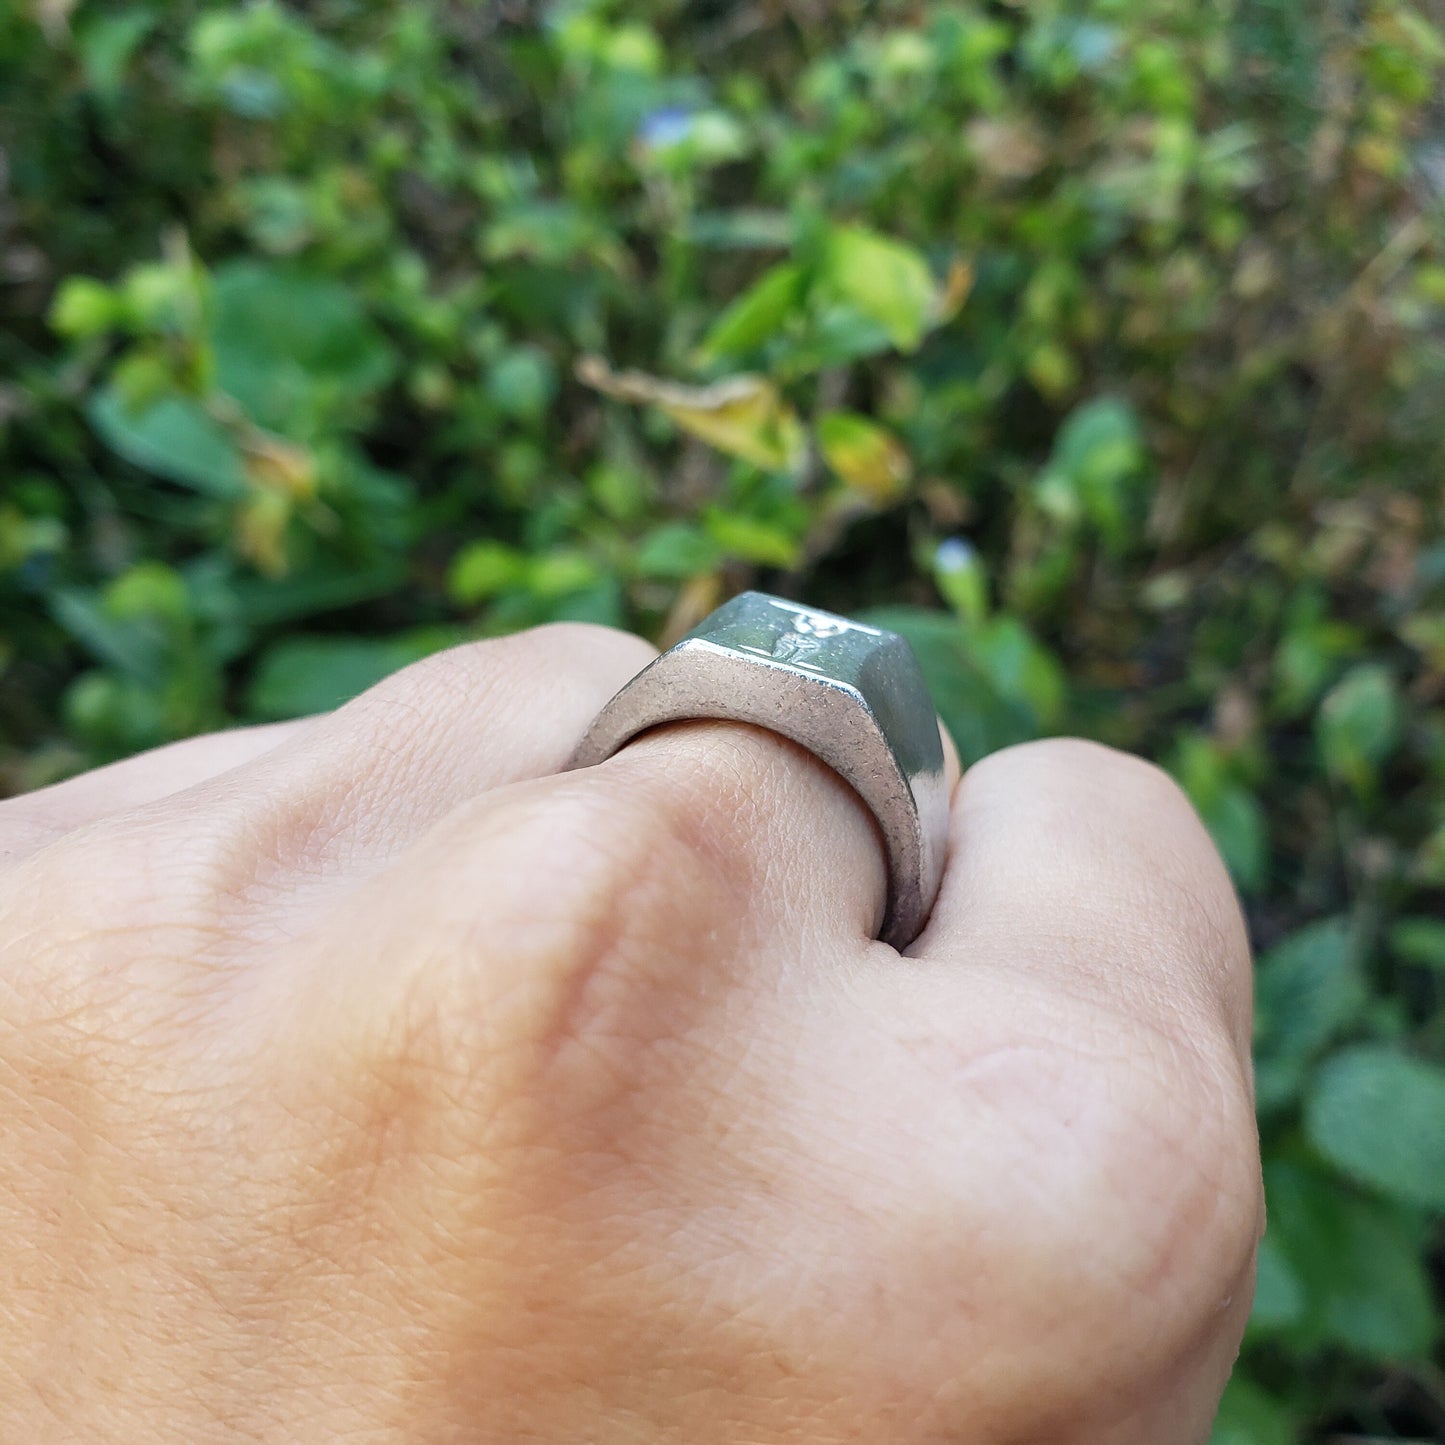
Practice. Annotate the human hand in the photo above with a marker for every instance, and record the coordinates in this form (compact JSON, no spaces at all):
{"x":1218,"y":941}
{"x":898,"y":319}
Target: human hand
{"x":365,"y":1079}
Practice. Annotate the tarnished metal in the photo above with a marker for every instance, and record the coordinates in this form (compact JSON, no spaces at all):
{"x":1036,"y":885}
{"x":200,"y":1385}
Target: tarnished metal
{"x":852,"y":695}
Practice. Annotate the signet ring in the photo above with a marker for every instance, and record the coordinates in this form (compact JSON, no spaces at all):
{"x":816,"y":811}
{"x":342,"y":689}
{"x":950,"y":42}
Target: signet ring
{"x":854,"y":696}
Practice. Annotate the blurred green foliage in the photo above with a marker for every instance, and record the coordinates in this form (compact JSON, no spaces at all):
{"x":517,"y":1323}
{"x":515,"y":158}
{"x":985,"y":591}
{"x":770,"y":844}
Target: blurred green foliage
{"x":1098,"y":346}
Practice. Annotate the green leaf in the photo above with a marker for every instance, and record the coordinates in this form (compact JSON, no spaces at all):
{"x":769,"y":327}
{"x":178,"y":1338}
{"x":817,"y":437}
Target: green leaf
{"x":751,"y":539}
{"x":757,"y":315}
{"x":149,"y":589}
{"x":1307,"y":658}
{"x":1249,"y":1416}
{"x":885,"y":279}
{"x":1308,"y":990}
{"x":1279,"y":1294}
{"x":142,"y":377}
{"x":134,"y":646}
{"x":523,"y":383}
{"x":482,"y":569}
{"x":677,"y":551}
{"x":25,"y":538}
{"x":1236,"y":822}
{"x":106,"y":44}
{"x":561,"y":573}
{"x":303,"y":675}
{"x":981,"y":689}
{"x":173,"y":438}
{"x":548,"y":231}
{"x":1020,"y":667}
{"x":1359,"y":724}
{"x":162,"y":296}
{"x":959,"y":575}
{"x":289,"y":345}
{"x":253,"y":602}
{"x":704,"y":138}
{"x":1095,"y":468}
{"x":1420,"y":941}
{"x":115,"y":715}
{"x":278,"y":212}
{"x":1229,"y":809}
{"x":83,"y":307}
{"x":838,"y":334}
{"x":600,"y":603}
{"x":1359,"y":1262}
{"x":1379,"y":1116}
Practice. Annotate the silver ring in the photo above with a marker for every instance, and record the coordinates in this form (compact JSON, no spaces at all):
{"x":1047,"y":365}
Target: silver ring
{"x":852,"y":695}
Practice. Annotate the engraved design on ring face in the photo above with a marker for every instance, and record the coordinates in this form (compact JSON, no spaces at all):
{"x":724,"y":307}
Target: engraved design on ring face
{"x":805,"y":634}
{"x":820,"y":624}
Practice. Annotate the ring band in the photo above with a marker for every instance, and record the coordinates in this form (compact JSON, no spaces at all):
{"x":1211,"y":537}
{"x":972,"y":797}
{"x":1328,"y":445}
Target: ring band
{"x":852,"y":695}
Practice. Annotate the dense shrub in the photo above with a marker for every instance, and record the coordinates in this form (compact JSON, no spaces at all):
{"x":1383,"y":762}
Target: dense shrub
{"x":1097,"y":346}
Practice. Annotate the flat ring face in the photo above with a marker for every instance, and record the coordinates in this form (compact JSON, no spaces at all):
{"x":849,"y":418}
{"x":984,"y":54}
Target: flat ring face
{"x":853,"y":695}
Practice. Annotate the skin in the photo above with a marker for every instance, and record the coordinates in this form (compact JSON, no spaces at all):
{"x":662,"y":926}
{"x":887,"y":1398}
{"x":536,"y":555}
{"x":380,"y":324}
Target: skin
{"x":365,"y":1079}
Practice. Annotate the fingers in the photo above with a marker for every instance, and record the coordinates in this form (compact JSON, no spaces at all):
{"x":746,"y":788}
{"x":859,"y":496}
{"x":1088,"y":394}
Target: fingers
{"x":807,"y":850}
{"x":688,"y":884}
{"x":259,"y":850}
{"x":733,"y":820}
{"x":707,"y":861}
{"x":1090,"y":868}
{"x":663,"y":964}
{"x":804,"y":847}
{"x":358,"y":784}
{"x":34,"y":819}
{"x":489,"y":713}
{"x":344,"y":793}
{"x":352,"y":789}
{"x":1077,"y":1012}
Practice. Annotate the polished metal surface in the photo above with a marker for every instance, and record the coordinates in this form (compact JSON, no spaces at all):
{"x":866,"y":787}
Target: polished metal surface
{"x":853,"y":695}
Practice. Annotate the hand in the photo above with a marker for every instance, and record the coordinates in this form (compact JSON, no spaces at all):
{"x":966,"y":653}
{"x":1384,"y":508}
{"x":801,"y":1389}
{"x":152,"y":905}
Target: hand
{"x":364,"y":1079}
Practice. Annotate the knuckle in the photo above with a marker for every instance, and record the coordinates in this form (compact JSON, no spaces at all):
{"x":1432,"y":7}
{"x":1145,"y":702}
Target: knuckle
{"x":1128,"y":781}
{"x":90,"y":1014}
{"x":112,"y":931}
{"x":1136,"y":863}
{"x":1162,"y":1171}
{"x":567,"y":926}
{"x":538,"y":688}
{"x":1095,"y":1252}
{"x":601,"y":889}
{"x":589,"y":640}
{"x":1115,"y":771}
{"x":110,"y":880}
{"x":407,"y":696}
{"x":1188,"y":1132}
{"x":458,"y":675}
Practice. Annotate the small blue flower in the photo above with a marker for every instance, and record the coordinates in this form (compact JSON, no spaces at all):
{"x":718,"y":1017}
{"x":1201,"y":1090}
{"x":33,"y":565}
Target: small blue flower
{"x":669,"y":126}
{"x":1093,"y":45}
{"x":954,"y":554}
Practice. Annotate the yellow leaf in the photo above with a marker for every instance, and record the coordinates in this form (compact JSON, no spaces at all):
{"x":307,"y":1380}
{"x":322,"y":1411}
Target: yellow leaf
{"x":870,"y":459}
{"x":274,"y":465}
{"x":744,"y":416}
{"x":260,"y":531}
{"x":955,"y":291}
